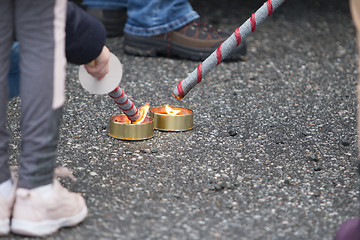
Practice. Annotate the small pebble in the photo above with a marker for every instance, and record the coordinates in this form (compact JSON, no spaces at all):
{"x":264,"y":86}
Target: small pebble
{"x":212,"y":188}
{"x":231,"y":186}
{"x":145,"y":151}
{"x":287,"y":181}
{"x":154,"y":150}
{"x":176,"y":195}
{"x":313,"y":158}
{"x":345,"y":143}
{"x":317,"y":168}
{"x":304,"y":134}
{"x":232,"y":133}
{"x":218,"y":188}
{"x":317,"y":194}
{"x":229,"y":206}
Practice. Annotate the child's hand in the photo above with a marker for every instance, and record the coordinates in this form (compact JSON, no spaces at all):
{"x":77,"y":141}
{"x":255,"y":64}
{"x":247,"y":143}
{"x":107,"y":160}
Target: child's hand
{"x":101,"y":66}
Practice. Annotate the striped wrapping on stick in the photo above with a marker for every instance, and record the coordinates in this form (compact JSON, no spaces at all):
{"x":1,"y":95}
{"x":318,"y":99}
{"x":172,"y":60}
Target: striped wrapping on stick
{"x":225,"y":48}
{"x":125,"y":104}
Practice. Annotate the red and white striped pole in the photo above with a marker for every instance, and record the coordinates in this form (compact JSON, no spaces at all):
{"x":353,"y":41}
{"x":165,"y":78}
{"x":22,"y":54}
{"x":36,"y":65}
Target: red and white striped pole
{"x":225,"y":48}
{"x":125,"y":104}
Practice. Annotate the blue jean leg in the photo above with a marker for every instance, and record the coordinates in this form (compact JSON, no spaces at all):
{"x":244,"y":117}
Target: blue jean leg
{"x":150,"y":17}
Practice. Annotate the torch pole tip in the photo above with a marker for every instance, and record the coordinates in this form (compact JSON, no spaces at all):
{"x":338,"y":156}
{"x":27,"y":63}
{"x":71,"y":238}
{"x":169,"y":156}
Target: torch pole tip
{"x":177,"y":97}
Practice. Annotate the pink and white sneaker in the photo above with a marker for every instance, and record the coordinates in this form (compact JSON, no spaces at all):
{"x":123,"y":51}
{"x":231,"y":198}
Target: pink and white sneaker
{"x":6,"y":206}
{"x":35,"y":215}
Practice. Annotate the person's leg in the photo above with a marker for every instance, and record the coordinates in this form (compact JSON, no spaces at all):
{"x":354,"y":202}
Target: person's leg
{"x":350,"y":230}
{"x":150,"y":18}
{"x":161,"y":27}
{"x":6,"y":40}
{"x":355,"y":12}
{"x":7,"y":186}
{"x":147,"y":18}
{"x":171,"y":28}
{"x":42,"y":80}
{"x":42,"y":205}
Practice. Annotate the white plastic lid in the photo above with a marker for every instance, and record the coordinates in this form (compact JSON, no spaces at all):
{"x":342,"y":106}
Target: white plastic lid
{"x":105,"y":85}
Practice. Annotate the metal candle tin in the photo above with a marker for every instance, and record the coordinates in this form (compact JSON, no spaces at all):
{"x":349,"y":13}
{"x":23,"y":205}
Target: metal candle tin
{"x":183,"y":121}
{"x":121,"y":128}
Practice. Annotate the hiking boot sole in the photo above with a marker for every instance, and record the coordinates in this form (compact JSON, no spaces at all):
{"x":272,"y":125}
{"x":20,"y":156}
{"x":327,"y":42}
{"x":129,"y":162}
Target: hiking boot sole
{"x":152,"y":47}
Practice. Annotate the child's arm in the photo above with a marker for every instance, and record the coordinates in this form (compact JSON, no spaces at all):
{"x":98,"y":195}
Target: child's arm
{"x":85,"y":36}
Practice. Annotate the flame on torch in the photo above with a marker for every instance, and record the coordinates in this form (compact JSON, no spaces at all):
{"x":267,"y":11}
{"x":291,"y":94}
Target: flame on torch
{"x":171,"y":111}
{"x":143,"y":112}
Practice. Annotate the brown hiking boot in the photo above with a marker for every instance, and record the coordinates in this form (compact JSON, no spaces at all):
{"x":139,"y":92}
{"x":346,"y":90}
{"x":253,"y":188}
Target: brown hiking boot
{"x":195,"y":41}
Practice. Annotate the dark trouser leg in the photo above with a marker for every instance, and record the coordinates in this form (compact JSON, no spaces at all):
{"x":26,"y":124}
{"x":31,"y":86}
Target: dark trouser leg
{"x":6,"y":39}
{"x":40,"y":30}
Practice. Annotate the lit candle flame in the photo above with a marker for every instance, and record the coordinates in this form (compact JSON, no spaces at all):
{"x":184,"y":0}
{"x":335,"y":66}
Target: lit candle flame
{"x":143,"y":112}
{"x":171,"y":111}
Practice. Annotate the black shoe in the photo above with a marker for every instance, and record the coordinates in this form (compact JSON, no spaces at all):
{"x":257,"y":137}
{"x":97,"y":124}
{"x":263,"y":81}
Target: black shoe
{"x":113,"y":20}
{"x":195,"y":41}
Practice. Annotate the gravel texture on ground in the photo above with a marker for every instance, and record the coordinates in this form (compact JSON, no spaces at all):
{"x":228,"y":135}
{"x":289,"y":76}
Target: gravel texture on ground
{"x":273,"y":154}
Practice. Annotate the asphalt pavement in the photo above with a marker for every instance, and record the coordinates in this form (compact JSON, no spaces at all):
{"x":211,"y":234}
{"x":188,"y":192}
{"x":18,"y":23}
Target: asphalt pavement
{"x":273,"y":154}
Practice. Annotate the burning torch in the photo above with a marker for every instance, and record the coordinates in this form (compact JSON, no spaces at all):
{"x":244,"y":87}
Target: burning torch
{"x":225,"y":48}
{"x":110,"y":85}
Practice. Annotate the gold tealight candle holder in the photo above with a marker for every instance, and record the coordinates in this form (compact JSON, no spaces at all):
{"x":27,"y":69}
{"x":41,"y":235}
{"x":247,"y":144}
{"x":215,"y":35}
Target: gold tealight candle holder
{"x":172,"y":118}
{"x":120,"y":127}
